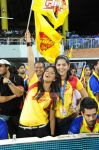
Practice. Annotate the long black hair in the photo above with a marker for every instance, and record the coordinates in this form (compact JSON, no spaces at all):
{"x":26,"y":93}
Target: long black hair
{"x":54,"y":88}
{"x":67,"y":61}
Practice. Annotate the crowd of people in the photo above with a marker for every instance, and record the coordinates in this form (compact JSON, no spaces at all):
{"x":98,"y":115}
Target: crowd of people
{"x":49,"y":101}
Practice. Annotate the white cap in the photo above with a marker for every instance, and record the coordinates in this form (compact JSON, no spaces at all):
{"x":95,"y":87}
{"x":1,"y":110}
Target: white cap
{"x":4,"y":62}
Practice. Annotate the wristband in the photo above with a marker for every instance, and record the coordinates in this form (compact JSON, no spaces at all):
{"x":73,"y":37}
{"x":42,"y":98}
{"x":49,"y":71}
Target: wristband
{"x":29,"y":44}
{"x":9,"y":82}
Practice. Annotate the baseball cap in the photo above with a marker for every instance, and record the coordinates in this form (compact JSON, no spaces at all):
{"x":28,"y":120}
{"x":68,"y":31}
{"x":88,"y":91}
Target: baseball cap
{"x":4,"y":62}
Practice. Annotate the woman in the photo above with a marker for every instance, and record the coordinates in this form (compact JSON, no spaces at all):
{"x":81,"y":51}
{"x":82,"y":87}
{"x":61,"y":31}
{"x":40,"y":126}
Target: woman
{"x":64,"y":105}
{"x":65,"y":112}
{"x":38,"y":109}
{"x":79,"y":91}
{"x":85,"y":78}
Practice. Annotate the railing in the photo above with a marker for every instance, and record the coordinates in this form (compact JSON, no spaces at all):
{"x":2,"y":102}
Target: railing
{"x":63,"y":142}
{"x":81,"y":43}
{"x":14,"y":41}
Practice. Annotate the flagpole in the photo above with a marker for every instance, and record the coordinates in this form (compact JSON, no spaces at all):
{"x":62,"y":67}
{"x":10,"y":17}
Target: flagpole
{"x":29,"y":15}
{"x":6,"y":18}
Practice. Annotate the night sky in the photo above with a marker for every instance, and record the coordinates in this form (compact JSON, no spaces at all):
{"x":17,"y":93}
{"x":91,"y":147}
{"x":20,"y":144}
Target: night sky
{"x":83,"y":17}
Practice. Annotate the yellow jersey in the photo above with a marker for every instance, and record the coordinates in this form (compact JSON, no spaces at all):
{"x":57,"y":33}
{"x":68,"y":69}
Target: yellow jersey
{"x":62,"y":111}
{"x":35,"y":112}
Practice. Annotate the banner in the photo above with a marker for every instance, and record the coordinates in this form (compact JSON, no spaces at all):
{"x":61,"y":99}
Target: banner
{"x":55,"y":10}
{"x":47,"y":39}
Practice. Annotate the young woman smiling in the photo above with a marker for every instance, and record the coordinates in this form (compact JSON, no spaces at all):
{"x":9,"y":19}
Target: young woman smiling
{"x":38,"y":114}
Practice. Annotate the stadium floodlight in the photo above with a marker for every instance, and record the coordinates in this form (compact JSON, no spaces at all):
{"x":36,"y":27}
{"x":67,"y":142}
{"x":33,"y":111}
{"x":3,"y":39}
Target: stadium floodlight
{"x":6,"y":18}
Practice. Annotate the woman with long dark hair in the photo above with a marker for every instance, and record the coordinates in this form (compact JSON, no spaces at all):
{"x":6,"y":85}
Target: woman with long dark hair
{"x":38,"y":115}
{"x":65,"y":112}
{"x":64,"y":108}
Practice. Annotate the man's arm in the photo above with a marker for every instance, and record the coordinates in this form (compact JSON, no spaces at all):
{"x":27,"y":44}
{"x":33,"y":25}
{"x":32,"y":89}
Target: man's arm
{"x":6,"y":98}
{"x":17,"y":90}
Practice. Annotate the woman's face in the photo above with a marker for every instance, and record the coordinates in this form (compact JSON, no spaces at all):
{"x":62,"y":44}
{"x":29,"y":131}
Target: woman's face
{"x":87,"y":71}
{"x":49,"y":75}
{"x":62,"y":67}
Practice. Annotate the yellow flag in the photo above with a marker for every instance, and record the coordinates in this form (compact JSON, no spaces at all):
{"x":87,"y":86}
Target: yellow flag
{"x":47,"y":39}
{"x":69,"y":55}
{"x":82,"y":74}
{"x":55,"y":10}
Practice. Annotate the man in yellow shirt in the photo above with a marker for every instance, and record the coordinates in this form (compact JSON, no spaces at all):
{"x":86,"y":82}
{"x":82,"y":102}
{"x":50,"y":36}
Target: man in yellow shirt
{"x":89,"y":121}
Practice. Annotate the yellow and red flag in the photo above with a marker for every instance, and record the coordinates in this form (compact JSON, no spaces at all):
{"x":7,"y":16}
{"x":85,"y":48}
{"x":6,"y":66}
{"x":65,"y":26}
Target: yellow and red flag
{"x":55,"y":10}
{"x":47,"y":39}
{"x":82,"y":78}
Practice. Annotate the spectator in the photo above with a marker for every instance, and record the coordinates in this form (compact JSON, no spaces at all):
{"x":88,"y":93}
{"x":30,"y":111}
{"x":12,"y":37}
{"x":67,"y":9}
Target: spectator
{"x":85,"y":78}
{"x":11,"y":90}
{"x":78,"y":89}
{"x":64,"y":109}
{"x":38,"y":110}
{"x":73,"y":70}
{"x":89,"y":120}
{"x":22,"y":72}
{"x":93,"y":85}
{"x":39,"y":68}
{"x":65,"y":112}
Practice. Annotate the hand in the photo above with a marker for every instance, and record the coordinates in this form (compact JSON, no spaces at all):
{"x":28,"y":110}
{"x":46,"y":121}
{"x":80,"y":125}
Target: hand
{"x":14,"y":96}
{"x":28,"y":37}
{"x":71,"y":109}
{"x":5,"y":80}
{"x":78,"y":109}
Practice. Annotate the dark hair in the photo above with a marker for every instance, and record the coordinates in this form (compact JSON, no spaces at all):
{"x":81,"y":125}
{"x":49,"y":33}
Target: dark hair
{"x":13,"y":69}
{"x":54,"y":89}
{"x":88,"y":103}
{"x":19,"y":65}
{"x":96,"y":62}
{"x":40,"y":62}
{"x":87,"y":66}
{"x":67,"y":61}
{"x":72,"y":66}
{"x":62,"y":57}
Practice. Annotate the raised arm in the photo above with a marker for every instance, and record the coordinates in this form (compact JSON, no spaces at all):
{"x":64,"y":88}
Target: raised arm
{"x":30,"y":55}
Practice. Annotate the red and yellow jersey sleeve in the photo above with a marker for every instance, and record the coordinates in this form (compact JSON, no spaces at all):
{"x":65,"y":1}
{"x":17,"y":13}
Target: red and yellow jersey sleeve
{"x":79,"y":85}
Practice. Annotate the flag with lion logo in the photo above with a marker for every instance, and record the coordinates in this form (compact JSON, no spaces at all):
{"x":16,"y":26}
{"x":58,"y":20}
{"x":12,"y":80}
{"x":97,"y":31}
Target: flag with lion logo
{"x":47,"y":39}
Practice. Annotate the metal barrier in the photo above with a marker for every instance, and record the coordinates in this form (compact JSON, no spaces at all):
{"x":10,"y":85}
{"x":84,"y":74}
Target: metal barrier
{"x":66,"y":142}
{"x":82,"y":43}
{"x":13,"y":41}
{"x":79,"y":43}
